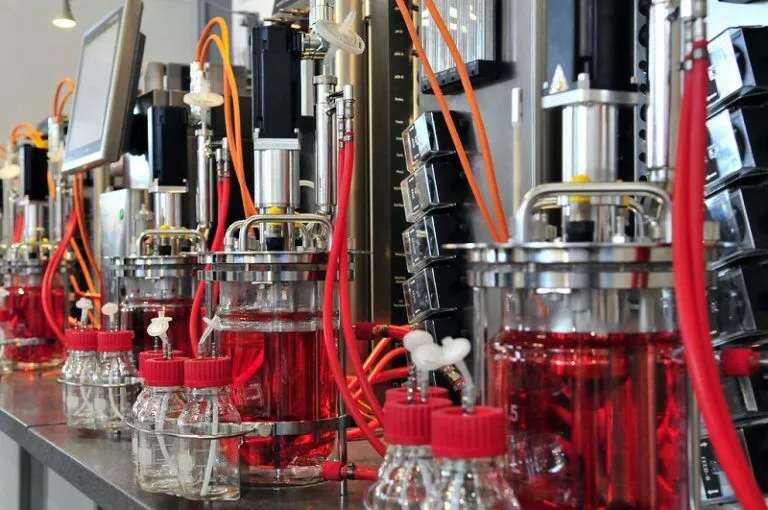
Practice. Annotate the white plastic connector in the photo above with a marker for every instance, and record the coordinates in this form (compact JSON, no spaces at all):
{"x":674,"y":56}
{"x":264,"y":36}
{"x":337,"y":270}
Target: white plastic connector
{"x":158,"y":328}
{"x":340,"y":37}
{"x":84,"y":305}
{"x":211,"y":325}
{"x":9,"y":171}
{"x":415,"y":338}
{"x":200,"y":94}
{"x":455,"y":350}
{"x":110,"y":310}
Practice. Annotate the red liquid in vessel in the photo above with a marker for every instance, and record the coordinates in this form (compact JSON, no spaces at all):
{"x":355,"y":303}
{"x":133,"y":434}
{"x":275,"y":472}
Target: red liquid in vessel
{"x":595,"y":422}
{"x":282,"y":377}
{"x":29,"y":322}
{"x":137,"y":316}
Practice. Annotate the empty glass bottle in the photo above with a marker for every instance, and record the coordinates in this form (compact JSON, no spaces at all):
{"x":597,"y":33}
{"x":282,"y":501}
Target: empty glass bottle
{"x":158,"y":409}
{"x":408,"y":472}
{"x":118,"y":376}
{"x":81,"y":365}
{"x":209,"y":468}
{"x":6,"y":332}
{"x":469,"y":448}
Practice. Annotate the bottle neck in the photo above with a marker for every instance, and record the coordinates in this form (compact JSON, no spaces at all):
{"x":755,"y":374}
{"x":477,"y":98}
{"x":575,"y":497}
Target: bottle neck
{"x":215,"y":391}
{"x":115,"y":354}
{"x":481,"y":465}
{"x":410,"y":450}
{"x":165,"y":389}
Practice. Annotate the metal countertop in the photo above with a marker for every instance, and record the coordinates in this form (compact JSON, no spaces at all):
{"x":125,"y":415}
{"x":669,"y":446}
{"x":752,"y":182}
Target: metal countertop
{"x":101,"y":468}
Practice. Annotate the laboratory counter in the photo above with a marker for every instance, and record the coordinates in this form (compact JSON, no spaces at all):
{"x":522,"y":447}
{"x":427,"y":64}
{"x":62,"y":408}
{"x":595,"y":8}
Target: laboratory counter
{"x":101,"y":468}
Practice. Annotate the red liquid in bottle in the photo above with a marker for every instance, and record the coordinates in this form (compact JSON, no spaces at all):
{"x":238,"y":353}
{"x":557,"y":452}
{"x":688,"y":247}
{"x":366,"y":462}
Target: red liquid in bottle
{"x":595,"y":421}
{"x":282,"y":377}
{"x":43,"y":350}
{"x":137,"y":316}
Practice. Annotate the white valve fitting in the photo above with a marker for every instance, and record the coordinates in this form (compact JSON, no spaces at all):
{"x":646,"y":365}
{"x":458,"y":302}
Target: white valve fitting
{"x":200,"y":94}
{"x":211,"y":325}
{"x":110,"y":310}
{"x":84,"y":305}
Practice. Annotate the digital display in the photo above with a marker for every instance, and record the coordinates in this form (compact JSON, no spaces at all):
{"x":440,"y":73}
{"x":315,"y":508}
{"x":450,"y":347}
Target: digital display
{"x":93,"y":87}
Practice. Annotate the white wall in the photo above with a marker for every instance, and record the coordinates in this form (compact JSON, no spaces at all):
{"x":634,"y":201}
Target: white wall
{"x":35,"y":54}
{"x":723,"y":15}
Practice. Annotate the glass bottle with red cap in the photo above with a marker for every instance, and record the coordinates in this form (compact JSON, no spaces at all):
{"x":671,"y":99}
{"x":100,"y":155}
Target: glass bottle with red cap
{"x":82,"y":363}
{"x":116,"y":380}
{"x":408,"y":472}
{"x":469,"y":447}
{"x":162,"y":403}
{"x":209,"y":467}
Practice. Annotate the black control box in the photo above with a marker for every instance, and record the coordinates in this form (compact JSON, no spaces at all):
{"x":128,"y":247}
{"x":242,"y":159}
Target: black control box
{"x":167,"y":151}
{"x":737,"y":147}
{"x":738,"y":69}
{"x":742,"y":215}
{"x":428,"y":138}
{"x":34,"y":170}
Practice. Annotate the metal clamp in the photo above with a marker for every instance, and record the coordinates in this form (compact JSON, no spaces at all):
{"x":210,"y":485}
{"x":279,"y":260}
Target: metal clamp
{"x":179,"y":233}
{"x":276,"y":218}
{"x":537,"y":195}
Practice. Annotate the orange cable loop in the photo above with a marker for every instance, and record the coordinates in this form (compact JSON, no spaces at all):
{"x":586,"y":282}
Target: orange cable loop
{"x":477,"y":115}
{"x":446,"y":111}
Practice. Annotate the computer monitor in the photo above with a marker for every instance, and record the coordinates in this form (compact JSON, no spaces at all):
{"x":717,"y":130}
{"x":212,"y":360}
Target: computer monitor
{"x":107,"y":79}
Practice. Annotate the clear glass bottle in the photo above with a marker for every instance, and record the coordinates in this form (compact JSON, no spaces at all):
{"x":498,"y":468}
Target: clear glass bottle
{"x":117,"y":371}
{"x":6,"y":331}
{"x":209,"y":468}
{"x":469,"y":448}
{"x":408,"y":473}
{"x":82,"y":363}
{"x":158,"y":409}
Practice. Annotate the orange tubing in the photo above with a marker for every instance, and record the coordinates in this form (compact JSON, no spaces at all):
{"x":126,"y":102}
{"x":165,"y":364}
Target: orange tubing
{"x":477,"y":116}
{"x":58,"y":106}
{"x":79,"y":202}
{"x":376,"y":352}
{"x":496,"y":234}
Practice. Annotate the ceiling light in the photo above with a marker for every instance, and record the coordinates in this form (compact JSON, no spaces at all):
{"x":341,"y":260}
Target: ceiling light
{"x":66,"y":19}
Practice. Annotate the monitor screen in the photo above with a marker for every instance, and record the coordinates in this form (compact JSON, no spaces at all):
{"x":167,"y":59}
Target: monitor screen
{"x":106,"y":86}
{"x":93,"y":82}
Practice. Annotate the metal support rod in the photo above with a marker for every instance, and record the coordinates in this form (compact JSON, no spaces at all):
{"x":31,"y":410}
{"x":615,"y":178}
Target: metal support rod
{"x":611,"y":189}
{"x":694,"y":440}
{"x":664,"y":90}
{"x":325,"y":196}
{"x":204,"y":180}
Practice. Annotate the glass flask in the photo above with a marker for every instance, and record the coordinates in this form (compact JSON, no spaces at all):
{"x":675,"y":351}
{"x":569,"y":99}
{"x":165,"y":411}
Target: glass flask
{"x":118,"y":378}
{"x":207,"y":468}
{"x":147,"y":298}
{"x":588,"y":367}
{"x":158,"y":409}
{"x":82,"y":363}
{"x":469,"y":450}
{"x":36,"y":346}
{"x":273,"y":333}
{"x":408,"y":472}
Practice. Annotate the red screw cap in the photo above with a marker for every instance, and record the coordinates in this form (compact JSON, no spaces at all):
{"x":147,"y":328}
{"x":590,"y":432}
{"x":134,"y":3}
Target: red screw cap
{"x":401,"y":393}
{"x":110,"y":341}
{"x":160,"y":372}
{"x":207,"y":372}
{"x":144,"y":356}
{"x":81,"y":339}
{"x":457,"y":435}
{"x":409,"y":423}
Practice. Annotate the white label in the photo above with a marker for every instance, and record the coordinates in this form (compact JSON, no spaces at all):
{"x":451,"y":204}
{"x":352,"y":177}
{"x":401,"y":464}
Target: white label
{"x":73,"y":403}
{"x":99,"y":404}
{"x":514,"y":415}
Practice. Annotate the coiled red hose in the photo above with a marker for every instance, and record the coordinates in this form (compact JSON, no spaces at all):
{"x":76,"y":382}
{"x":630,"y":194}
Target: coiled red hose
{"x":346,"y":163}
{"x":50,"y":272}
